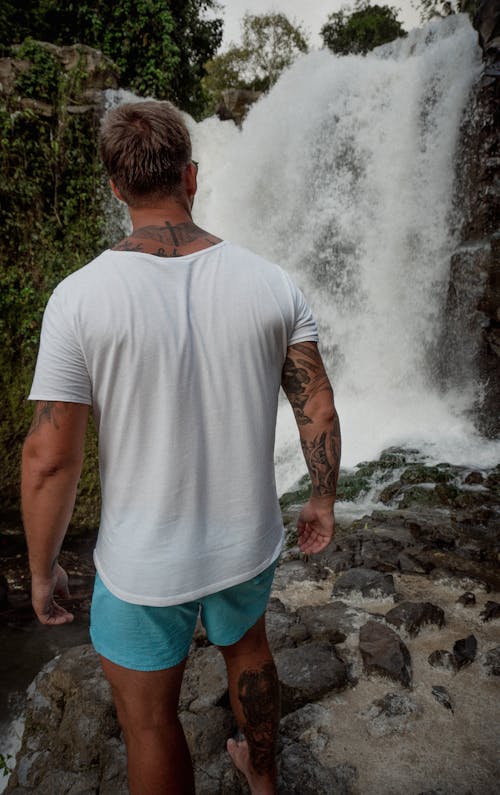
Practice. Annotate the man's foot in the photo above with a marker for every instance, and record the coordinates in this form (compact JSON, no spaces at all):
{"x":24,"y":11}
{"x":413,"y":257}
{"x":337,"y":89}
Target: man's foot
{"x":240,"y":754}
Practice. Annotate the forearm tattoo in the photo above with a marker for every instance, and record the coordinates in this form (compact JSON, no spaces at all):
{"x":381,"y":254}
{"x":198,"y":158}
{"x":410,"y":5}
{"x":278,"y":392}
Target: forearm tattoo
{"x":259,"y":694}
{"x":322,"y":456}
{"x":303,"y":378}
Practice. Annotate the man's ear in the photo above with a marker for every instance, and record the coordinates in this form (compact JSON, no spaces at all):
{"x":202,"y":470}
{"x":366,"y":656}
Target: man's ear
{"x":116,"y":191}
{"x":190,"y":183}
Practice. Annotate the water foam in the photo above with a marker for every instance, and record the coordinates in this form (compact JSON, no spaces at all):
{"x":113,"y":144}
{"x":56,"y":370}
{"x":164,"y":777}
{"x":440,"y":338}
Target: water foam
{"x":344,"y":174}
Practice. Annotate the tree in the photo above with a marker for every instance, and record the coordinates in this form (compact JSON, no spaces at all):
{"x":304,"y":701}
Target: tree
{"x":160,"y":47}
{"x":438,"y":8}
{"x":270,"y":43}
{"x":361,"y":30}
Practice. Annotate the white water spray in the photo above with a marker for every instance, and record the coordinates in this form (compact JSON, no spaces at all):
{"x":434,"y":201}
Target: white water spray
{"x":344,"y":175}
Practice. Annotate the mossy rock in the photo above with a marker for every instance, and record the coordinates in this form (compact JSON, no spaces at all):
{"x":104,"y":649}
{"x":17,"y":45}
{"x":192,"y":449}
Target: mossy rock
{"x":442,"y":495}
{"x":351,"y":485}
{"x":298,"y":496}
{"x":419,"y":473}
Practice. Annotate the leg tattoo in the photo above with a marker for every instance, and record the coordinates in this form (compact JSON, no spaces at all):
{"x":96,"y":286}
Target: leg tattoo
{"x":258,"y":692}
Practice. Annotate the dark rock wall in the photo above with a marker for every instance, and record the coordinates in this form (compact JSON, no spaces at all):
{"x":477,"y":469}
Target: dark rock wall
{"x":472,"y":336}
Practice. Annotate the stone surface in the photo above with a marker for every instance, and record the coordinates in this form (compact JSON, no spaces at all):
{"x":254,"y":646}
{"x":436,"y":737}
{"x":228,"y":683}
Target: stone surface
{"x":384,"y":652}
{"x":441,"y":695}
{"x":366,"y":581}
{"x":309,"y":672}
{"x":303,"y":774}
{"x":412,"y":616}
{"x":235,"y":104}
{"x":467,"y":599}
{"x":391,"y":714}
{"x":465,"y":650}
{"x":491,"y":611}
{"x":443,"y":660}
{"x":204,"y":683}
{"x":490,"y":661}
{"x":334,"y":620}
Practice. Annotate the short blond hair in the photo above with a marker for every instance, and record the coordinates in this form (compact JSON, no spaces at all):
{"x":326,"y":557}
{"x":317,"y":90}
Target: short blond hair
{"x":145,"y":147}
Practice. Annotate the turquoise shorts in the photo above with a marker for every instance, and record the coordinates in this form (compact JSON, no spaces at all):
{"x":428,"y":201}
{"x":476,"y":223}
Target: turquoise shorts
{"x":145,"y":638}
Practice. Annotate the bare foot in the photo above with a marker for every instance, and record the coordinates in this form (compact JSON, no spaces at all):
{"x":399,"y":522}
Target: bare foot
{"x":239,"y":753}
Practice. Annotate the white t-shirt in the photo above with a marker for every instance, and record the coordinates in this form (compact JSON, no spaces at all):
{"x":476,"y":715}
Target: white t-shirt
{"x":181,"y":360}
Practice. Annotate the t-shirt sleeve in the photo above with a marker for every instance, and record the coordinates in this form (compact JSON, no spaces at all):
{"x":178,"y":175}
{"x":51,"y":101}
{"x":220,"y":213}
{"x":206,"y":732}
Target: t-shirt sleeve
{"x":304,"y":328}
{"x":61,"y":372}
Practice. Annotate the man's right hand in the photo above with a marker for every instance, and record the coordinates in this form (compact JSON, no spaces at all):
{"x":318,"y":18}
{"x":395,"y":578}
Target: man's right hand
{"x":43,"y":590}
{"x":315,"y":525}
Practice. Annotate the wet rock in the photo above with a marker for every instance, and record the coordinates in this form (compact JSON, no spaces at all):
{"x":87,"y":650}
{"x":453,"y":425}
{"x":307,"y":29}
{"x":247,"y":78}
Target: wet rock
{"x":391,"y":714}
{"x":491,"y":611}
{"x":334,"y":619}
{"x":473,"y":478}
{"x":443,"y":660}
{"x":467,"y":599}
{"x":235,"y":104}
{"x":284,"y":629}
{"x":368,"y":582}
{"x":409,"y":564}
{"x":309,"y":672}
{"x":204,"y":683}
{"x":419,"y":473}
{"x":297,"y":571}
{"x":4,"y":593}
{"x":301,"y":773}
{"x":465,"y":650}
{"x":390,"y":492}
{"x":207,"y":732}
{"x":412,"y":616}
{"x":384,"y":652}
{"x":490,"y":661}
{"x":441,"y":694}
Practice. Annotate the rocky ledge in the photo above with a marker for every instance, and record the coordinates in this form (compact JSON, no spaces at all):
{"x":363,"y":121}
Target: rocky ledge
{"x":387,"y":648}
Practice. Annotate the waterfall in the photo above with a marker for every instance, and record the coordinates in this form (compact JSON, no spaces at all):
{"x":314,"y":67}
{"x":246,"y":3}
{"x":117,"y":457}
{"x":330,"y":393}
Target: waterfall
{"x":344,"y":175}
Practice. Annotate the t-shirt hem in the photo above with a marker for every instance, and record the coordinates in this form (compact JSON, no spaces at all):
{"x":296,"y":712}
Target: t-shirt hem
{"x":189,"y":596}
{"x":309,"y":337}
{"x":59,"y":398}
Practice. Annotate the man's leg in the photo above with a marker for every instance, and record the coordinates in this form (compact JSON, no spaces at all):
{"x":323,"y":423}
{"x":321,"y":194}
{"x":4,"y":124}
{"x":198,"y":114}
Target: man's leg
{"x":158,"y":758}
{"x":255,"y":700}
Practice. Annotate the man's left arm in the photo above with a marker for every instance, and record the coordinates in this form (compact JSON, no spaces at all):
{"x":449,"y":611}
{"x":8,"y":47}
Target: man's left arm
{"x":51,"y":467}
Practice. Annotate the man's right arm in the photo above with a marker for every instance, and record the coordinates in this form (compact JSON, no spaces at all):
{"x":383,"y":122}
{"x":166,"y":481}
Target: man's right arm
{"x":309,"y":391}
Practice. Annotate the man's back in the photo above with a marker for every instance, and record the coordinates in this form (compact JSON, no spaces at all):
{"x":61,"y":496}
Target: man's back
{"x":181,"y":359}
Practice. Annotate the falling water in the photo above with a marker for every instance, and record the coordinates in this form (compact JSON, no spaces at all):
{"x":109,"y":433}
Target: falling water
{"x":344,"y":174}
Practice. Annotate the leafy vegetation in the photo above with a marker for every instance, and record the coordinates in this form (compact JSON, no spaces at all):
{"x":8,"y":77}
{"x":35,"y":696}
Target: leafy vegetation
{"x":160,"y":48}
{"x":362,"y":29}
{"x":269,"y":44}
{"x":433,"y":8}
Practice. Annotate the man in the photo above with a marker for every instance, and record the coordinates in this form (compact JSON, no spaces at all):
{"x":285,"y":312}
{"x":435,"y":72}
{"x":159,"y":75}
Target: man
{"x":179,"y":341}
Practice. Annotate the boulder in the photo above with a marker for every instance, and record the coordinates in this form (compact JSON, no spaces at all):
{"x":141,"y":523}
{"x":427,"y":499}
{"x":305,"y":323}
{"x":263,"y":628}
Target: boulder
{"x":391,"y":714}
{"x":443,"y":660}
{"x":491,"y":611}
{"x":204,"y":684}
{"x":309,"y":672}
{"x":441,"y":695}
{"x":467,"y":599}
{"x":412,"y":616}
{"x":384,"y":653}
{"x":465,"y":650}
{"x":301,"y":773}
{"x":368,"y":582}
{"x":333,"y":621}
{"x":490,"y":661}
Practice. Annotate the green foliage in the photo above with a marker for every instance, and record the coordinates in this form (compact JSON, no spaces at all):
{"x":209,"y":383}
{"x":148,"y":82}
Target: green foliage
{"x":51,"y":223}
{"x":437,"y":8}
{"x":160,"y":47}
{"x":270,"y":44}
{"x":362,"y":29}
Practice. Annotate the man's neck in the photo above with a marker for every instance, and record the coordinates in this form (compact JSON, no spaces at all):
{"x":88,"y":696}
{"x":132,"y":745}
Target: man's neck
{"x":165,"y":231}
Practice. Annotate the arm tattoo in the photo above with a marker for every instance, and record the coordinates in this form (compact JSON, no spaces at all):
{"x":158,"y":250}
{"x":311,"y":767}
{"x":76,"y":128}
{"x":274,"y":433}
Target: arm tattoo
{"x":259,"y":694}
{"x":45,"y":411}
{"x":322,"y":456}
{"x":172,"y":237}
{"x":302,"y":379}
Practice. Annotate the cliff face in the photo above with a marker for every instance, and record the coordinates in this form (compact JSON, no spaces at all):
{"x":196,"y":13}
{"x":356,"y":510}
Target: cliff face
{"x":473,"y":314}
